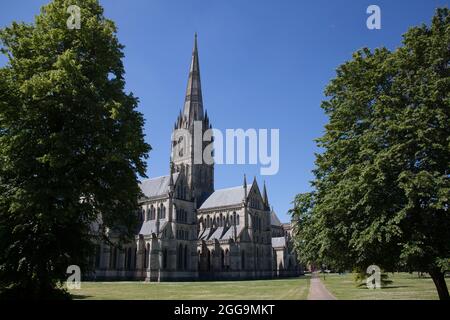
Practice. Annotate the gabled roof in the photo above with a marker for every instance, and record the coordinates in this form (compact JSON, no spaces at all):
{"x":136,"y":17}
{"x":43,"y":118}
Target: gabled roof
{"x":274,"y":221}
{"x":149,"y":227}
{"x":224,"y":197}
{"x":157,"y":187}
{"x":220,"y":233}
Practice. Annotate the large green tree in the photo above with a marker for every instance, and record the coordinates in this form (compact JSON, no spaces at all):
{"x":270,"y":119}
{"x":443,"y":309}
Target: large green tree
{"x":381,"y":188}
{"x":71,"y":146}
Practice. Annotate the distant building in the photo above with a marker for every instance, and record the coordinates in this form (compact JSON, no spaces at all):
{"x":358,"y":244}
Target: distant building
{"x":189,"y":231}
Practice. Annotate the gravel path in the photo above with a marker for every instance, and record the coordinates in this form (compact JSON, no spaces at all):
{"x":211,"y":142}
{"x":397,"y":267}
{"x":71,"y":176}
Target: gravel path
{"x":317,"y":290}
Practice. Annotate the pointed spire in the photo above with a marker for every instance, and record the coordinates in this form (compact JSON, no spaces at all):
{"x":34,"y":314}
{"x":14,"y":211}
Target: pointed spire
{"x":245,"y":187}
{"x":266,"y":198}
{"x":195,"y":42}
{"x":193,"y":103}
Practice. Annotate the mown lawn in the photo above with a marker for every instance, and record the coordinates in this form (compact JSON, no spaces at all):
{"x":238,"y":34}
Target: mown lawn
{"x":405,"y":286}
{"x":289,"y":289}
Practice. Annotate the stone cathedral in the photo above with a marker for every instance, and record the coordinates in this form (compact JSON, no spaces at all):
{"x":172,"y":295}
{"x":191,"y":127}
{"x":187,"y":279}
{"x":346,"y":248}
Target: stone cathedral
{"x":188,"y":230}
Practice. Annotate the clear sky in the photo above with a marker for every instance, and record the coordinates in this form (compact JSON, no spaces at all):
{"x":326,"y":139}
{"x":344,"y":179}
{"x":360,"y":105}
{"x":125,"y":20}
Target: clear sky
{"x":264,"y":64}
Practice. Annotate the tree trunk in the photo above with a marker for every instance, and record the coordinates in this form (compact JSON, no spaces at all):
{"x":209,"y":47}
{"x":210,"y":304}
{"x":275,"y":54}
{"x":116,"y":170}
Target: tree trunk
{"x":441,"y":286}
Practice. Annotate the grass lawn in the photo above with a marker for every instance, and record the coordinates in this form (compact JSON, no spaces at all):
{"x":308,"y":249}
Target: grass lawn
{"x":294,"y":288}
{"x":405,"y":286}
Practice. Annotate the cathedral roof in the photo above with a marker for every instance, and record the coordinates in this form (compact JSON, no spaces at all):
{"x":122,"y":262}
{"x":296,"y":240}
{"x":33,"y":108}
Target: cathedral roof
{"x":156,"y":187}
{"x":224,"y":197}
{"x":220,"y":233}
{"x":274,"y":221}
{"x":149,"y":227}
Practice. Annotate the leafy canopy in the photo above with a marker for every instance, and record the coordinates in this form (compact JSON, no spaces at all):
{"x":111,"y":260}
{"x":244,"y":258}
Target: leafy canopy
{"x":381,"y":187}
{"x":71,"y":145}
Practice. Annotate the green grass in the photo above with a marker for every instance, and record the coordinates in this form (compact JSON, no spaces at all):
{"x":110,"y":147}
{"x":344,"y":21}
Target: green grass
{"x":405,"y":286}
{"x":292,"y":289}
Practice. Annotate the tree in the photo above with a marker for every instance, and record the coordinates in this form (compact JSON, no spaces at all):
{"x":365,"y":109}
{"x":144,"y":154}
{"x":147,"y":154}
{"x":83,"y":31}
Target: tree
{"x":71,"y":146}
{"x":381,"y":187}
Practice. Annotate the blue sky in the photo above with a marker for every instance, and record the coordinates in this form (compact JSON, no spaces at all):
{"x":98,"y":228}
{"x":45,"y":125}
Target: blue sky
{"x":264,"y":64}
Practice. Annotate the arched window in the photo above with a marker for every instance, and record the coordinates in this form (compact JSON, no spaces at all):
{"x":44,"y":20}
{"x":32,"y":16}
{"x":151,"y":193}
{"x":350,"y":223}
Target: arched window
{"x":146,"y":256}
{"x":159,"y":213}
{"x":152,"y":212}
{"x":164,"y":262}
{"x":208,"y":261}
{"x":185,"y":258}
{"x":227,"y":259}
{"x":237,"y":220}
{"x":163,"y":211}
{"x":180,"y":257}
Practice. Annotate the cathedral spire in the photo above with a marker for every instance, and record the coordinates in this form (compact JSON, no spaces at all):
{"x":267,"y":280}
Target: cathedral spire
{"x":193,"y":102}
{"x":265,"y":197}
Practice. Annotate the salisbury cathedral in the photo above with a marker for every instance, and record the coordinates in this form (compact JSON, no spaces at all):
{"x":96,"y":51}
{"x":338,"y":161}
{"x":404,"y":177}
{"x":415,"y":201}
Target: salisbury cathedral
{"x":188,"y":230}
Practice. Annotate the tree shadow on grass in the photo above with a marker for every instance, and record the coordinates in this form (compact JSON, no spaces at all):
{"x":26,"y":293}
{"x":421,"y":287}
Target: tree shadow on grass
{"x":390,"y":287}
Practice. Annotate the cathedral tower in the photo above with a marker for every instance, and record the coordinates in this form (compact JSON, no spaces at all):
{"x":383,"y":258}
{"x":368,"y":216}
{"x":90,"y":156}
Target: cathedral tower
{"x":188,"y":146}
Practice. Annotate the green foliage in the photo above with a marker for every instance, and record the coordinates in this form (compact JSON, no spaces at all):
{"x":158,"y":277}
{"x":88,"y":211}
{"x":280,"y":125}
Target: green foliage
{"x":382,"y":183}
{"x":71,"y":146}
